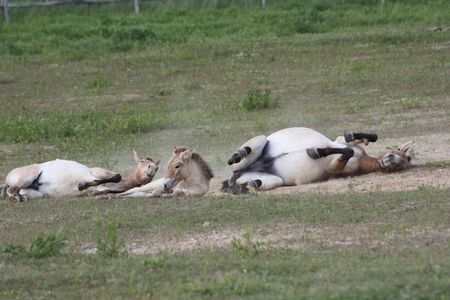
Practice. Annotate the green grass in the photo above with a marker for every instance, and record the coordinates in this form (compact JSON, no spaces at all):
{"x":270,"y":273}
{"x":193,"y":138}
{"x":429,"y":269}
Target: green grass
{"x":91,"y":83}
{"x":388,"y":258}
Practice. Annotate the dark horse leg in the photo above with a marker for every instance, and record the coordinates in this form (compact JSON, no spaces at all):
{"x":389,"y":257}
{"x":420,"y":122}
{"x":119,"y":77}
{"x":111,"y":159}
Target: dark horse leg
{"x":353,"y":136}
{"x":239,"y":155}
{"x":316,"y":153}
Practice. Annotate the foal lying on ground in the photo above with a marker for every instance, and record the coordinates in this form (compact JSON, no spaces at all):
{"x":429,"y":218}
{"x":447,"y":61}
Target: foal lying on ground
{"x":187,"y":175}
{"x":299,"y":155}
{"x":143,"y":174}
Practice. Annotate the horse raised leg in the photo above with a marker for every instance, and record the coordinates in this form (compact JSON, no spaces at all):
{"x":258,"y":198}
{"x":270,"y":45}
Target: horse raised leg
{"x":248,"y":153}
{"x":336,"y":165}
{"x":101,"y":176}
{"x":350,"y":136}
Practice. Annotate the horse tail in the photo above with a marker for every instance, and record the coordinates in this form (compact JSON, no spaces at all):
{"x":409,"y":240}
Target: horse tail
{"x":3,"y":191}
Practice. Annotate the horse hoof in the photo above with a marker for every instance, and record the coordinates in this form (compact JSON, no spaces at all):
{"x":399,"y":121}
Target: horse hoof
{"x":256,"y":184}
{"x":313,"y":153}
{"x":349,"y":137}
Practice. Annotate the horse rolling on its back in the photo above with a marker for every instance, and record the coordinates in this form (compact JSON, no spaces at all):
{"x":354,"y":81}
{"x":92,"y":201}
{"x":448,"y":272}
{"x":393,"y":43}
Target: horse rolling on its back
{"x":299,"y":155}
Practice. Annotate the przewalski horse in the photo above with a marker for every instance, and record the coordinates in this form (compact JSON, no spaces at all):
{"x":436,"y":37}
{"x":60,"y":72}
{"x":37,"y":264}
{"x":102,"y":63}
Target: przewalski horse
{"x":299,"y":155}
{"x":143,"y":174}
{"x":59,"y":178}
{"x":187,"y":175}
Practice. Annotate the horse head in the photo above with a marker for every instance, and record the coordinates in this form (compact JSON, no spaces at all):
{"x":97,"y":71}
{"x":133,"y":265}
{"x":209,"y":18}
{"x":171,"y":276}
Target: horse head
{"x":397,"y":160}
{"x":186,"y":164}
{"x":146,"y":168}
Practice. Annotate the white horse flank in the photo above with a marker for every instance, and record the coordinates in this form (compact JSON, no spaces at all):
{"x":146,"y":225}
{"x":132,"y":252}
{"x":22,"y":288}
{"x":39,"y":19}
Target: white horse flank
{"x":299,"y":155}
{"x":62,"y":178}
{"x":56,"y":178}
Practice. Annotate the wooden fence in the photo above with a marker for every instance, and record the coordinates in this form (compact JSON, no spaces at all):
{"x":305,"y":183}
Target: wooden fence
{"x":6,"y":5}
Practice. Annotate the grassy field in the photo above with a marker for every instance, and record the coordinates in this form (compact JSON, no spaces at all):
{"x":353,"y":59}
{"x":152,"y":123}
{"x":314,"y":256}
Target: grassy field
{"x":91,"y":83}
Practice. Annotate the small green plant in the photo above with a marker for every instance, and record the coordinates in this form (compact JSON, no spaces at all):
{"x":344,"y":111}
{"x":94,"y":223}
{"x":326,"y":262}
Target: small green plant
{"x":46,"y":246}
{"x":156,"y":261}
{"x":246,"y":248}
{"x":411,"y":103}
{"x":106,"y":237}
{"x":12,"y":250}
{"x":99,"y":82}
{"x":257,"y":99}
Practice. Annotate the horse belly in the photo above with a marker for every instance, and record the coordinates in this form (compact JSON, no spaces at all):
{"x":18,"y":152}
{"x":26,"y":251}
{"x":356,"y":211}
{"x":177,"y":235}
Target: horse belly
{"x":62,"y":177}
{"x":299,"y":168}
{"x":296,"y":139}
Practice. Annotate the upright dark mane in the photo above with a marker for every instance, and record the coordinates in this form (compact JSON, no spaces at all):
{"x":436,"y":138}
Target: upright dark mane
{"x":195,"y":156}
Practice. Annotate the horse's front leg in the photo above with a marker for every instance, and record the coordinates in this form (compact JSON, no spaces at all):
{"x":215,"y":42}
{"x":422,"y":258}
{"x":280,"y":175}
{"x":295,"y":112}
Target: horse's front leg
{"x":338,"y":164}
{"x":260,"y":181}
{"x":355,"y":138}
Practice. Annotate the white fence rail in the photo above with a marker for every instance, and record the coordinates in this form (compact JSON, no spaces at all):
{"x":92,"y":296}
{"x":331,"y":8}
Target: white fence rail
{"x":6,"y":5}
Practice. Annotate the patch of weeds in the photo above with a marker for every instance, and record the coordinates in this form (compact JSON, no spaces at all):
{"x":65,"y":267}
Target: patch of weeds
{"x":192,"y":85}
{"x":246,"y":248}
{"x":354,"y":107}
{"x":162,"y":90}
{"x":99,"y":82}
{"x":442,"y":61}
{"x":257,"y":99}
{"x":156,"y":261}
{"x":107,"y":239}
{"x":46,"y":246}
{"x":357,"y":67}
{"x":12,"y":250}
{"x":411,"y":103}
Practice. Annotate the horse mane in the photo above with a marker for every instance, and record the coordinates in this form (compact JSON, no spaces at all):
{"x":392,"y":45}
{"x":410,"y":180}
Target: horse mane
{"x":195,"y":156}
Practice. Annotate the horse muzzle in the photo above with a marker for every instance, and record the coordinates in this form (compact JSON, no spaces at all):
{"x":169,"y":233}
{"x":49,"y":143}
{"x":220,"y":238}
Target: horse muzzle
{"x":168,"y":184}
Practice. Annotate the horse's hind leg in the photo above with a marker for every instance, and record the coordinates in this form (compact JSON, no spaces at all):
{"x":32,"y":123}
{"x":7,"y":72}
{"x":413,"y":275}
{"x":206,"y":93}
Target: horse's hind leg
{"x":100,"y":176}
{"x":248,"y":153}
{"x":104,"y":176}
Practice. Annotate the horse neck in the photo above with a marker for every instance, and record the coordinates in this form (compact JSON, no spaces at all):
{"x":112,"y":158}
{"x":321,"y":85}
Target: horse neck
{"x":130,"y":182}
{"x":369,"y":164}
{"x":196,"y":176}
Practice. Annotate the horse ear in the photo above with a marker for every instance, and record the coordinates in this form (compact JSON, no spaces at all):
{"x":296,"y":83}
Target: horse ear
{"x":157,"y":162}
{"x":186,"y":155}
{"x":137,"y":159}
{"x":406,"y":146}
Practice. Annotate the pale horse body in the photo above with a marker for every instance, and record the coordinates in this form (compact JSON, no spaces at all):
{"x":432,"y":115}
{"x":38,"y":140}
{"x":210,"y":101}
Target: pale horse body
{"x":57,"y":178}
{"x":298,"y":155}
{"x":187,"y":174}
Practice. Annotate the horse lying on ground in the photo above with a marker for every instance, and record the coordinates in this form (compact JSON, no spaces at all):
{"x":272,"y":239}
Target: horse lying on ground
{"x":299,"y":155}
{"x":187,"y":175}
{"x":59,"y":178}
{"x":143,"y":174}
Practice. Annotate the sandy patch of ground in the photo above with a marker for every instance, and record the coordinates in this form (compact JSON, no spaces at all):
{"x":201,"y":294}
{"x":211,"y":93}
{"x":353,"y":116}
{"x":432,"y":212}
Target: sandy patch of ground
{"x":300,"y":237}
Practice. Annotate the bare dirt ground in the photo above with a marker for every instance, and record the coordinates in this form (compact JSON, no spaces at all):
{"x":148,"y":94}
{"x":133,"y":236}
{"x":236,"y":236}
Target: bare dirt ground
{"x":427,"y":149}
